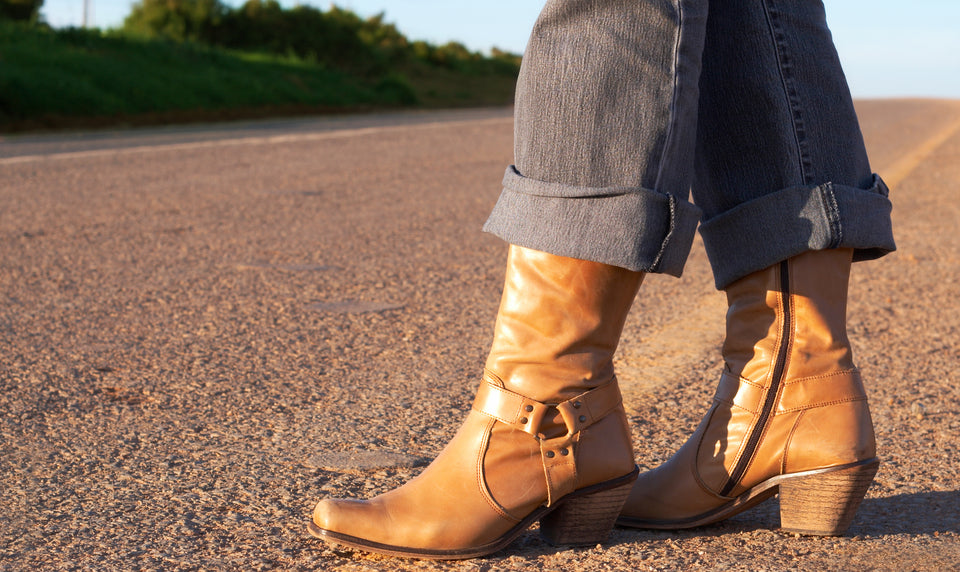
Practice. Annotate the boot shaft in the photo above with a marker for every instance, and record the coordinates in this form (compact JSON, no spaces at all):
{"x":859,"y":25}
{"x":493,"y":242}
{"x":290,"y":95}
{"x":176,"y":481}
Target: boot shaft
{"x":790,"y":406}
{"x":788,"y":359}
{"x":559,"y":323}
{"x":789,"y":320}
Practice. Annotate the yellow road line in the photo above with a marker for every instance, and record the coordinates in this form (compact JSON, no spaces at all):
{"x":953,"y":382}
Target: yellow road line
{"x":663,"y":356}
{"x":901,"y":169}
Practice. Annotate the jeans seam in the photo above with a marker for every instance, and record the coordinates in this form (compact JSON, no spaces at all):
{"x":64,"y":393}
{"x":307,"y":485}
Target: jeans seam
{"x":671,"y":130}
{"x":784,"y":66}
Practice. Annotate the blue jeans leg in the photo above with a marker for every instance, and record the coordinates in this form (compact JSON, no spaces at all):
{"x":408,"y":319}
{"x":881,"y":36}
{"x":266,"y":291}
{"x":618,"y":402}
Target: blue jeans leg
{"x":605,"y":117}
{"x":781,"y":166}
{"x":613,"y":117}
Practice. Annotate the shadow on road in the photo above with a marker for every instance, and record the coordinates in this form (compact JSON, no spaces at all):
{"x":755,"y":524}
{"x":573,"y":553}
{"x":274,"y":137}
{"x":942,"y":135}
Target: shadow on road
{"x":910,"y":514}
{"x":914,"y":513}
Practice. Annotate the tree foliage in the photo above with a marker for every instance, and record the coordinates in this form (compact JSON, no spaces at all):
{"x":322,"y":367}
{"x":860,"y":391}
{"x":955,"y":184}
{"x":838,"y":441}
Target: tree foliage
{"x":23,"y":10}
{"x":335,"y":38}
{"x":332,"y":38}
{"x":177,"y":20}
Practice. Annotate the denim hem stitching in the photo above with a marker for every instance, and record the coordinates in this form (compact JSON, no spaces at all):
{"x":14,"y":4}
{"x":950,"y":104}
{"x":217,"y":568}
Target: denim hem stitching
{"x":832,"y":211}
{"x":672,"y":205}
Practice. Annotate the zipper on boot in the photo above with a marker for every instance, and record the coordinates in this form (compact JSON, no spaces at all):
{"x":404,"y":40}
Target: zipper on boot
{"x":779,"y":371}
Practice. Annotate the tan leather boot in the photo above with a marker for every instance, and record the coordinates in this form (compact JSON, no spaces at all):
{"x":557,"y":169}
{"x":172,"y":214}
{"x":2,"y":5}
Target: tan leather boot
{"x":790,"y":414}
{"x":547,"y":438}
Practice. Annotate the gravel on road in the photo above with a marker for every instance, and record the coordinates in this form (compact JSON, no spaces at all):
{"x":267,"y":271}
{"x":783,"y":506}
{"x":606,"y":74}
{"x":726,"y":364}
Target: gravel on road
{"x":200,"y":339}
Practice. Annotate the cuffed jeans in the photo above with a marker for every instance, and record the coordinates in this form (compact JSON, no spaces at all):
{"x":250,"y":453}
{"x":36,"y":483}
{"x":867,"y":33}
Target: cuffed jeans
{"x":625,"y":106}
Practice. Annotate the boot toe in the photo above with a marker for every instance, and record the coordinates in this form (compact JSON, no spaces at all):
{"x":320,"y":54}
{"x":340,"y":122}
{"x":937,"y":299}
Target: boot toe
{"x":334,"y":514}
{"x":324,"y":513}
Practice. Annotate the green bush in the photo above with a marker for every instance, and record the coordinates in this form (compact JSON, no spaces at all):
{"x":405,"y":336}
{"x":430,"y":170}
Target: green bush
{"x":395,"y":89}
{"x":74,"y":73}
{"x":197,"y":56}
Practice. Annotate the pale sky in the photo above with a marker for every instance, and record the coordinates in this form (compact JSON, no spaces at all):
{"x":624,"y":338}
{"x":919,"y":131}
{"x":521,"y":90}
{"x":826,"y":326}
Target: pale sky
{"x":888,"y":48}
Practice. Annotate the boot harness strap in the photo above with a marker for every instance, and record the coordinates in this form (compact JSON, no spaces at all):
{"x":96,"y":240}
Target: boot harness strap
{"x":525,"y":414}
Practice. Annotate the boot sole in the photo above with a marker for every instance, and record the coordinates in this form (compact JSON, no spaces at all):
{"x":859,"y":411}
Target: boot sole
{"x":583,"y":517}
{"x":820,"y":502}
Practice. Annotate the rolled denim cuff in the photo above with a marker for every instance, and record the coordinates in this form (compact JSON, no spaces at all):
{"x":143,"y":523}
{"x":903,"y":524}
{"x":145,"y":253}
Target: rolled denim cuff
{"x":633,"y":228}
{"x":777,"y":226}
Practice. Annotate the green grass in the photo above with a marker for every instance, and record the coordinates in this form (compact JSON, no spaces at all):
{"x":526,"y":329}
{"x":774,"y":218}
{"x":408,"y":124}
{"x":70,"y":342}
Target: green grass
{"x":51,"y":79}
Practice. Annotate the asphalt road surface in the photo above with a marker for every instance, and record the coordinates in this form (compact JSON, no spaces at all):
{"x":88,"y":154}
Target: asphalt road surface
{"x":205,"y":330}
